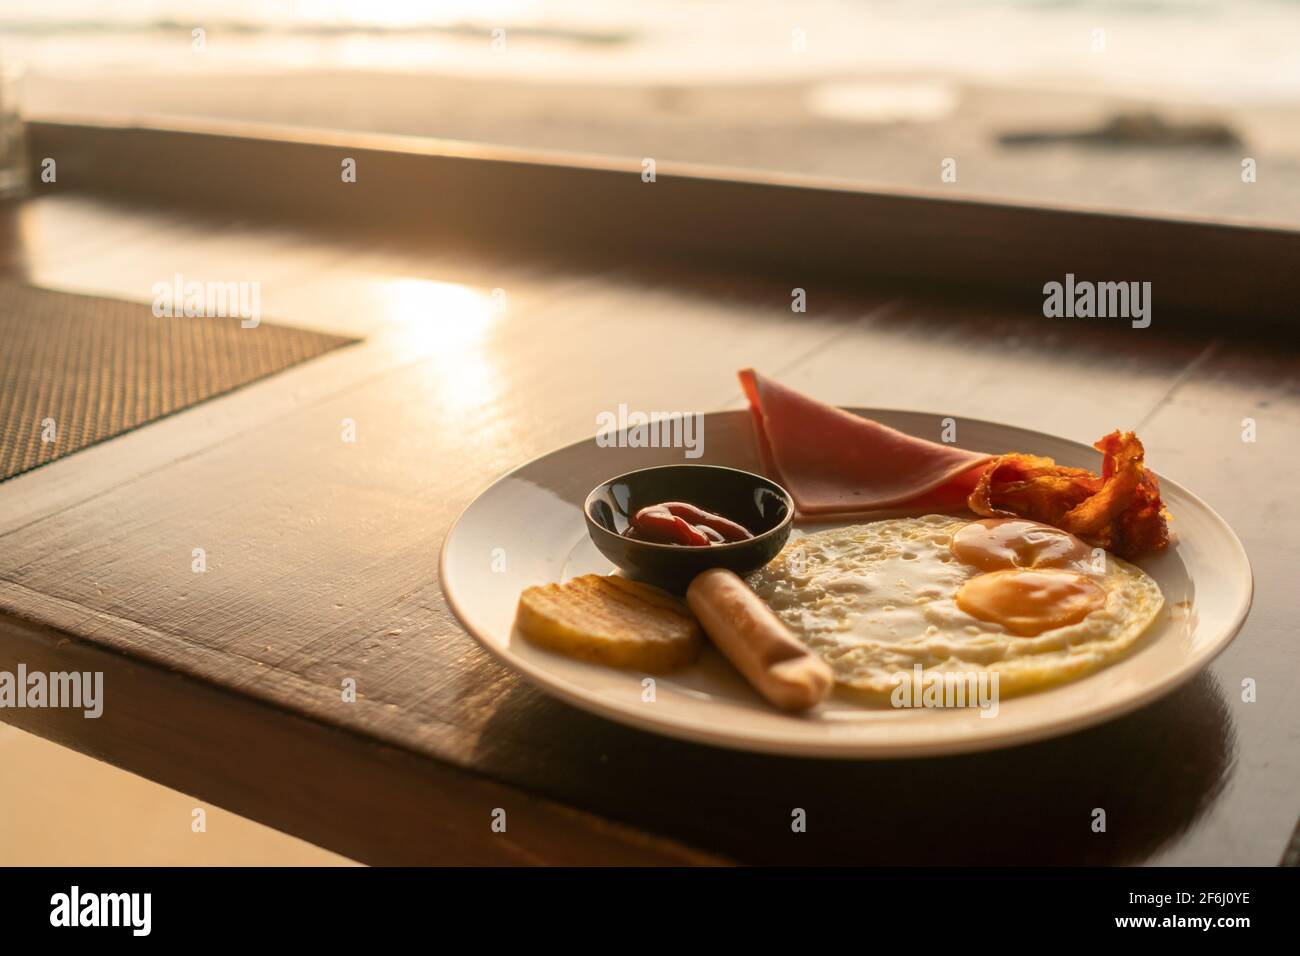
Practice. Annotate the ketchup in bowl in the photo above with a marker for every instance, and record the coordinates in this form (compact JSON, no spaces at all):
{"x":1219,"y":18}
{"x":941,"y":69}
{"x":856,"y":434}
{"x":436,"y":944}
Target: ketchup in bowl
{"x":677,"y":522}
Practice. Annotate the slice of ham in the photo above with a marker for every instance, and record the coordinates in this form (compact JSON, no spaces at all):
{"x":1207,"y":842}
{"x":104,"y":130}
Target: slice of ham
{"x":833,"y":462}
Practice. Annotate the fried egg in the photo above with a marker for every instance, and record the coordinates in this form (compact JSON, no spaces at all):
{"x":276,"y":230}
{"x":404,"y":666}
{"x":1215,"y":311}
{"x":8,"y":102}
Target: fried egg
{"x":1027,"y":601}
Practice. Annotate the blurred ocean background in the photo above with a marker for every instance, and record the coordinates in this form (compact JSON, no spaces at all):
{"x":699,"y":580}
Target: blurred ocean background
{"x":1140,"y":104}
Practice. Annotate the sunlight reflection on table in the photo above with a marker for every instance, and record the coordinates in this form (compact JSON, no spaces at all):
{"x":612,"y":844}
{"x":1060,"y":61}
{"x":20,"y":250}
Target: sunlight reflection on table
{"x":450,"y":324}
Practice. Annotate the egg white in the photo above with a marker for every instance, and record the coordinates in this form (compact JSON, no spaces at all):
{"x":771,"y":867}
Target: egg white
{"x":878,"y":599}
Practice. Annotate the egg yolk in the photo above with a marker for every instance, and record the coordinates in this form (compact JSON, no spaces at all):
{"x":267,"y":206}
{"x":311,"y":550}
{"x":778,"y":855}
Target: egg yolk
{"x":996,"y":543}
{"x":1030,"y":602}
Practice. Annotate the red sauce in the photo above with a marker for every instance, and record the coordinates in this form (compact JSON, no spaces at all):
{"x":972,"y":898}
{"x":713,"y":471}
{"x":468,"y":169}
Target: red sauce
{"x":676,"y":522}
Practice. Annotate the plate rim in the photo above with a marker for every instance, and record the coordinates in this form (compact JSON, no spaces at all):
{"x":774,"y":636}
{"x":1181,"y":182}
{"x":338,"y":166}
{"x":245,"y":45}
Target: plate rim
{"x":843,"y":748}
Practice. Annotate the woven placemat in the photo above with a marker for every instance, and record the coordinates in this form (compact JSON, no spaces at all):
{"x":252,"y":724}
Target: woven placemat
{"x":79,"y":369}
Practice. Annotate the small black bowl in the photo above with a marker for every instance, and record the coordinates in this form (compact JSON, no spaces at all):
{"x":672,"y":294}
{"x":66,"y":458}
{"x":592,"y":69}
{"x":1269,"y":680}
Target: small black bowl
{"x":762,"y":506}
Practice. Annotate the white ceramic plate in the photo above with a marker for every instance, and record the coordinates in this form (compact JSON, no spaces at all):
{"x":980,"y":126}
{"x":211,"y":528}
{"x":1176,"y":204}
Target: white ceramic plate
{"x":528,"y":529}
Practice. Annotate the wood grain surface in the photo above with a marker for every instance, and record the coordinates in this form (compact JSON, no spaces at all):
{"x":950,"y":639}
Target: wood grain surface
{"x":493,"y":198}
{"x":322,"y":559}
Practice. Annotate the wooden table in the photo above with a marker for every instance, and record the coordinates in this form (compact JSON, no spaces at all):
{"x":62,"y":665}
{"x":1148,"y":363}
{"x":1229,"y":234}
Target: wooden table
{"x":322,"y":558}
